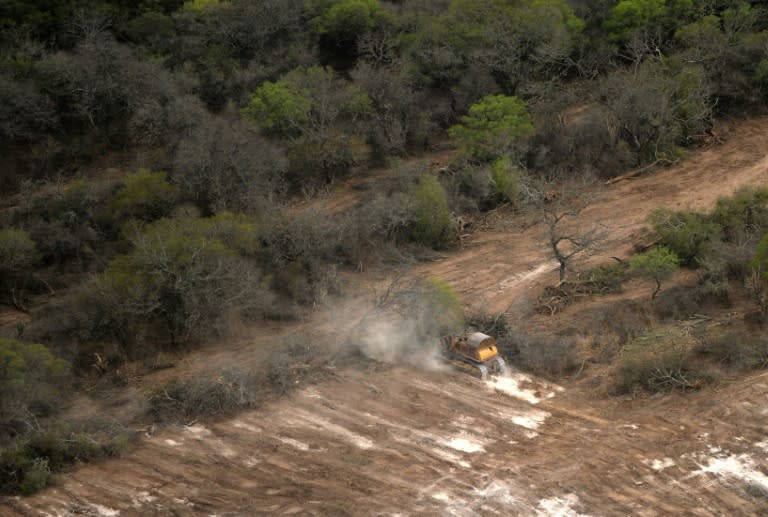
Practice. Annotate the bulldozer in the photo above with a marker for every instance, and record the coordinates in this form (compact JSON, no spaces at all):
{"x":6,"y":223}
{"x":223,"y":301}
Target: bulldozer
{"x":476,"y":353}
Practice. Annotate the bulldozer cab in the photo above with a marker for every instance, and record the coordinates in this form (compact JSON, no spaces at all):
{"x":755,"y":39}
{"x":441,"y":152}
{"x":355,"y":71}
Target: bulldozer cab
{"x":477,"y":346}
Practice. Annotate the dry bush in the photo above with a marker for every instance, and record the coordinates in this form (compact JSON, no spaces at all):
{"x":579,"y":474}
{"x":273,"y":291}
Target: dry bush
{"x":204,"y":397}
{"x":660,"y":360}
{"x":737,"y":348}
{"x":677,"y":303}
{"x":546,"y":355}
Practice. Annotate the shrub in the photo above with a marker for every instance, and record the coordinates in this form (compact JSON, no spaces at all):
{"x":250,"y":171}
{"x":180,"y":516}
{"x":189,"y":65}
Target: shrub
{"x":188,"y":274}
{"x":657,"y":361}
{"x":187,"y":400}
{"x":658,"y":263}
{"x":17,"y":253}
{"x":145,"y":195}
{"x":506,"y":180}
{"x":552,"y":355}
{"x":735,"y":347}
{"x":686,"y":234}
{"x":31,"y":380}
{"x":743,"y":215}
{"x":445,"y":305}
{"x":492,"y":127}
{"x":432,"y":224}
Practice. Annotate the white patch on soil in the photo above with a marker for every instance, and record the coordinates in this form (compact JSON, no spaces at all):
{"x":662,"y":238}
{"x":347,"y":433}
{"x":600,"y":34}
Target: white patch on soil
{"x":464,"y":445}
{"x":294,"y":443}
{"x":741,"y":467}
{"x":524,"y":277}
{"x":659,"y":465}
{"x":314,"y":422}
{"x":529,"y":419}
{"x":247,"y":427}
{"x":198,"y":432}
{"x":143,"y":498}
{"x":251,"y":461}
{"x":450,"y":457}
{"x":559,"y":507}
{"x":510,"y":384}
{"x":763,"y":445}
{"x":103,"y":511}
{"x":172,"y":443}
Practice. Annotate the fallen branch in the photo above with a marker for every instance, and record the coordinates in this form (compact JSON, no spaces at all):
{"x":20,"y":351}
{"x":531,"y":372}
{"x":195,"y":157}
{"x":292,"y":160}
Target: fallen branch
{"x":639,"y":171}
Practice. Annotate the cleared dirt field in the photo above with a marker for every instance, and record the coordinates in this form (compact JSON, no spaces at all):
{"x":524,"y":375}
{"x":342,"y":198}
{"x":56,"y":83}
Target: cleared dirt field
{"x":396,"y":440}
{"x":405,"y":442}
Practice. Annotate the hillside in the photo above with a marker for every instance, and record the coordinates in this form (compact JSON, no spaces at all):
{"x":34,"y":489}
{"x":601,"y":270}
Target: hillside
{"x":392,"y":439}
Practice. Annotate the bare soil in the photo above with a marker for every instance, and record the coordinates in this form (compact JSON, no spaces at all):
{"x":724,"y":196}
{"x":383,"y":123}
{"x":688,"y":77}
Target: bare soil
{"x":396,"y":440}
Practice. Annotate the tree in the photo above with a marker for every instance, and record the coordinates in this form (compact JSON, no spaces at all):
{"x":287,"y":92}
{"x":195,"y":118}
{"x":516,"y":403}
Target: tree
{"x":30,"y":381}
{"x":432,"y":224}
{"x":657,"y":264}
{"x":492,"y":127}
{"x":188,"y":274}
{"x":319,"y":115}
{"x":145,"y":195}
{"x":687,"y":234}
{"x":567,"y":243}
{"x":18,"y":253}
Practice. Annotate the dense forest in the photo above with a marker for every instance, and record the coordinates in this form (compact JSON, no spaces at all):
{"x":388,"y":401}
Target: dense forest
{"x":217,"y":114}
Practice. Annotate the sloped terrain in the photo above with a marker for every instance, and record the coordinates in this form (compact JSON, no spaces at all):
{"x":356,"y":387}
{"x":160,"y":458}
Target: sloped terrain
{"x":395,"y":440}
{"x":402,"y":441}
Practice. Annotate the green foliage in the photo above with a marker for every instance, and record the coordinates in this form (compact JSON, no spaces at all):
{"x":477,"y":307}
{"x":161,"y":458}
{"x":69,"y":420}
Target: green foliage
{"x":27,"y":465}
{"x":187,"y":273}
{"x":17,"y":251}
{"x":445,"y":304}
{"x":506,"y":180}
{"x":760,"y":261}
{"x":658,"y":263}
{"x":629,"y":16}
{"x":280,"y":107}
{"x":492,"y":127}
{"x":432,"y":223}
{"x":686,"y":234}
{"x":743,"y":215}
{"x":203,"y":6}
{"x":345,"y":20}
{"x":145,"y":195}
{"x":30,"y":379}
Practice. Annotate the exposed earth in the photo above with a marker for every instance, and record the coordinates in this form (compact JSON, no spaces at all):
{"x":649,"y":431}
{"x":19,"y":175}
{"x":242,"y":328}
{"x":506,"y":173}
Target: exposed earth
{"x":396,"y":440}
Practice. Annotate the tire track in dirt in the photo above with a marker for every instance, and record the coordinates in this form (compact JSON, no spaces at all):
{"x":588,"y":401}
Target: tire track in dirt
{"x":440,"y":444}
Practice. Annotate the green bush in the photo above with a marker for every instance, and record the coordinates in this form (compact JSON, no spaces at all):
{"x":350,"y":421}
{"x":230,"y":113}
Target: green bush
{"x":432,"y":223}
{"x":492,"y":127}
{"x":17,"y":251}
{"x":686,"y":234}
{"x":743,"y":215}
{"x":31,"y":380}
{"x":445,"y":305}
{"x":145,"y":195}
{"x":506,"y":180}
{"x":658,"y":263}
{"x":186,"y":274}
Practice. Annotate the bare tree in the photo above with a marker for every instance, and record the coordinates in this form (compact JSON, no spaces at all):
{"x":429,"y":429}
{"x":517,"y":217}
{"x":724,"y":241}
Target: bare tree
{"x":566,"y":240}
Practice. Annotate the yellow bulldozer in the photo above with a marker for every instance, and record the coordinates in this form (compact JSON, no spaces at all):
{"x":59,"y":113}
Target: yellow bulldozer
{"x":476,"y":353}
